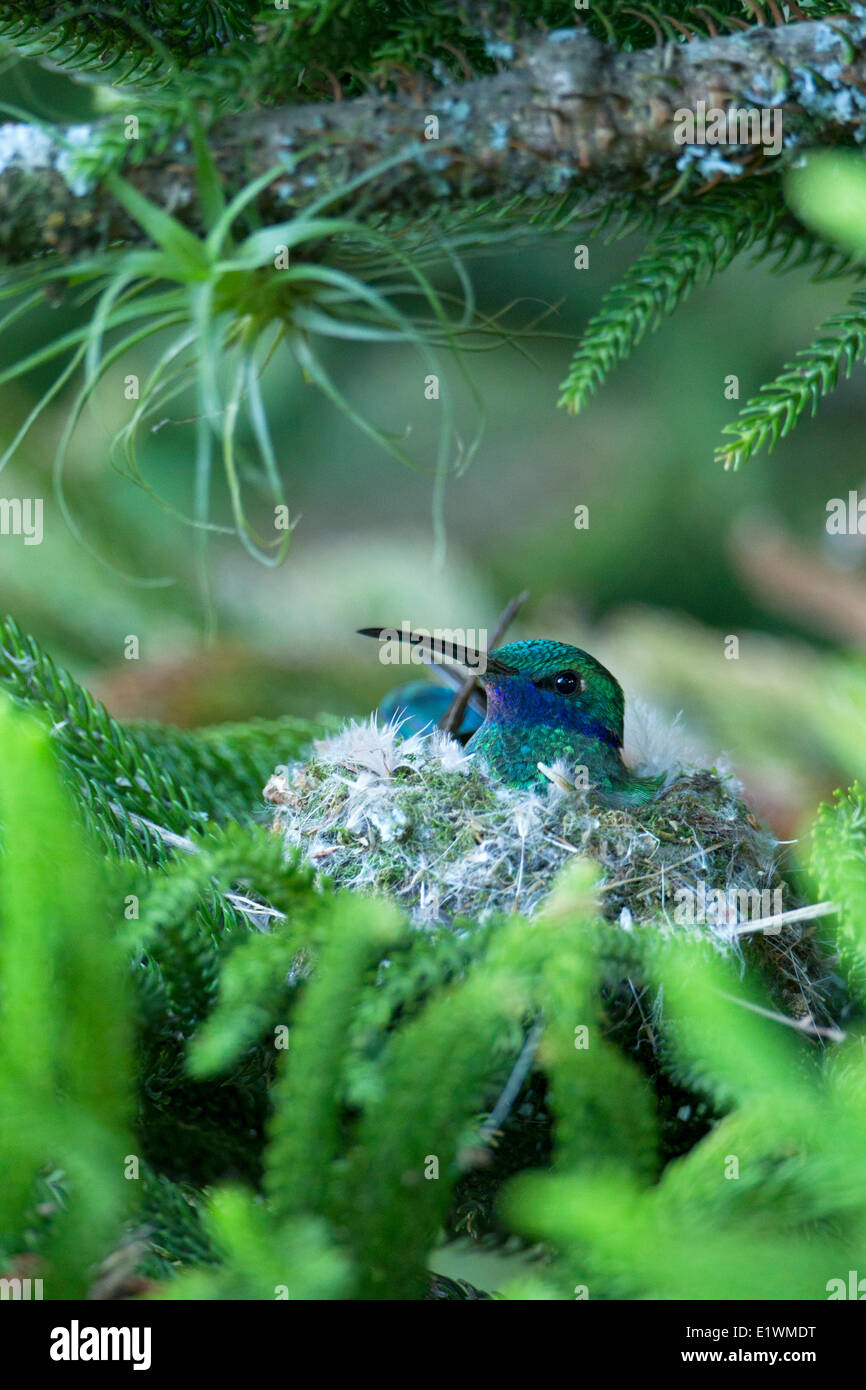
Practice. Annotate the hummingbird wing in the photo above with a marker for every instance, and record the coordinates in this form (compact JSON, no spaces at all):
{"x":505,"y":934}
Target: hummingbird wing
{"x":420,"y":706}
{"x":454,"y":678}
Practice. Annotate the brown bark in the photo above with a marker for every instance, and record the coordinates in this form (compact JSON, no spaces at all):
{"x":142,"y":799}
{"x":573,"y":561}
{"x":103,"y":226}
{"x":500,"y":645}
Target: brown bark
{"x":568,"y":114}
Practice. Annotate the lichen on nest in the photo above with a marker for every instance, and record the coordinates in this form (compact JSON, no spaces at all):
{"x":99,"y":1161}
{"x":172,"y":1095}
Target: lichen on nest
{"x":416,"y":819}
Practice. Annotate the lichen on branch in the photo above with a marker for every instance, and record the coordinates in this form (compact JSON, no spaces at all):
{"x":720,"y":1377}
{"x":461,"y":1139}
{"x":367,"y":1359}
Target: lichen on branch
{"x":566,"y":113}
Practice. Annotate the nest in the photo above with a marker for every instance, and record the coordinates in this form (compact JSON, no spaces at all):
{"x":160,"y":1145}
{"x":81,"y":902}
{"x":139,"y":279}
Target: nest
{"x":415,"y":819}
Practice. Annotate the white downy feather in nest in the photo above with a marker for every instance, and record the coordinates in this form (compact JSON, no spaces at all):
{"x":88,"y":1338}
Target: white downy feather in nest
{"x":414,"y":818}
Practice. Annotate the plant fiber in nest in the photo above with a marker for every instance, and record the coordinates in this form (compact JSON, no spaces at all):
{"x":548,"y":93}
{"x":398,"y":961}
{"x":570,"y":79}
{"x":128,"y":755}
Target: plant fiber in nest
{"x":415,"y":819}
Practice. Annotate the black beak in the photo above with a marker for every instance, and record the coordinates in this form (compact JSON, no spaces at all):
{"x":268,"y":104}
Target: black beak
{"x":438,"y":650}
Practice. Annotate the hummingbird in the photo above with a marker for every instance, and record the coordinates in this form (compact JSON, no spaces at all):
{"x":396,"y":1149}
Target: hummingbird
{"x":546,"y":702}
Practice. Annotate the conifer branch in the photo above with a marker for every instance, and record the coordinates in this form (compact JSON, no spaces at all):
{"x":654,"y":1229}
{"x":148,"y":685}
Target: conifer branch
{"x":130,"y":778}
{"x":690,"y":247}
{"x":566,"y":113}
{"x":801,"y":384}
{"x":694,"y":244}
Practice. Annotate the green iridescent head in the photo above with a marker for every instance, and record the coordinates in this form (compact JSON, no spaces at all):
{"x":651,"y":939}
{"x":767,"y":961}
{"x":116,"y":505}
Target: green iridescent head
{"x":546,"y":703}
{"x":546,"y":683}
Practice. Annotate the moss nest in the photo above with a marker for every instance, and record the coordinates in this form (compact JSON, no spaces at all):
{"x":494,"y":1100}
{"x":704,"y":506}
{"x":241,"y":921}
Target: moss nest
{"x":416,"y":819}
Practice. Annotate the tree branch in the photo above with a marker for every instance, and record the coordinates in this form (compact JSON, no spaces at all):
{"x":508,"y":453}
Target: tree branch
{"x":568,"y":113}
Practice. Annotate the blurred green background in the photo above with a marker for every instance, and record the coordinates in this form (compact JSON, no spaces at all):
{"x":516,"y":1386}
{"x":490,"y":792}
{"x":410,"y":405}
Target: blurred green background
{"x":677,"y":557}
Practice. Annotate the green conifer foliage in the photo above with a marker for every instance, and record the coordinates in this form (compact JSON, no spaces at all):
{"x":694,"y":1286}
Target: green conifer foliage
{"x":218,"y":1073}
{"x":286,"y":1091}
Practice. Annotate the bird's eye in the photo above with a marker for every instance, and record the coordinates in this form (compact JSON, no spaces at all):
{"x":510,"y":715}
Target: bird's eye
{"x":567,"y":682}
